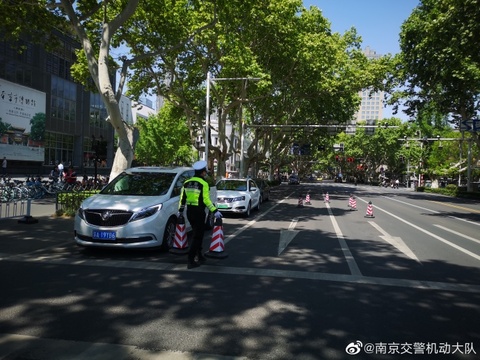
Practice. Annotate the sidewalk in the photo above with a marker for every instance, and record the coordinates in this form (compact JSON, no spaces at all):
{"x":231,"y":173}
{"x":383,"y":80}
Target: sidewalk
{"x":42,"y":207}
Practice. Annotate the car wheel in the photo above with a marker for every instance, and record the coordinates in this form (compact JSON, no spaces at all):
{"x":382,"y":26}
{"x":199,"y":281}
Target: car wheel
{"x":249,"y":210}
{"x":169,"y":234}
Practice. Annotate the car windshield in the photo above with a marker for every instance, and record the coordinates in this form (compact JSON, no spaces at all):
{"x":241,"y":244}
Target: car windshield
{"x":233,"y":185}
{"x":145,"y":184}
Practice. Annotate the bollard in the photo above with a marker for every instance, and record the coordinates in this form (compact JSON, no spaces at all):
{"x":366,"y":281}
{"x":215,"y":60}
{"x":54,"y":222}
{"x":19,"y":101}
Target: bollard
{"x":28,"y":219}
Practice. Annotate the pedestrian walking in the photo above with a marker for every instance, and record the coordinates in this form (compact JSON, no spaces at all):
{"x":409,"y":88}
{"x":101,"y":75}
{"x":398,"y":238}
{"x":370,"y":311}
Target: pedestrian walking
{"x":60,"y":170}
{"x":54,"y":174}
{"x":195,"y":195}
{"x":70,"y":175}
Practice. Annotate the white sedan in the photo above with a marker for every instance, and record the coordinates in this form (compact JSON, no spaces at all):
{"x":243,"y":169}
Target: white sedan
{"x":238,"y":196}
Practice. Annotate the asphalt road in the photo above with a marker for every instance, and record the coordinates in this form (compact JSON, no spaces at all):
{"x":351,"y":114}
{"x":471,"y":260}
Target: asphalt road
{"x":319,"y":281}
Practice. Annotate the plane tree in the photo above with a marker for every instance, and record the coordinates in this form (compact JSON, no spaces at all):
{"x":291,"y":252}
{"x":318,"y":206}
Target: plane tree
{"x":164,"y":139}
{"x":306,"y":72}
{"x":439,"y":62}
{"x":103,"y":26}
{"x":303,"y":73}
{"x":366,"y":153}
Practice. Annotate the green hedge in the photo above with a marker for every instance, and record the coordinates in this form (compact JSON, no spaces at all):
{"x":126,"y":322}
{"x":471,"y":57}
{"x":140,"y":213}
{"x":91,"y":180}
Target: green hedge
{"x":451,"y":190}
{"x":67,"y":203}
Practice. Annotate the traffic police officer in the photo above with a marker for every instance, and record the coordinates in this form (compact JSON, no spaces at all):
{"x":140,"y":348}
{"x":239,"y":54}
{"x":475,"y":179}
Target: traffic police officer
{"x":196,"y":195}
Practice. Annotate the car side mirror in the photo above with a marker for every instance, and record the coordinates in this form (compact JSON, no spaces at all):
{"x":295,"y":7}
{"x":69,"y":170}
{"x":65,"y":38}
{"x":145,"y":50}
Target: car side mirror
{"x":253,"y":189}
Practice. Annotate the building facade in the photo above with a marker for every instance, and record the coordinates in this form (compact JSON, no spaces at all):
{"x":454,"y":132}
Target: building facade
{"x":371,"y":107}
{"x":46,"y":117}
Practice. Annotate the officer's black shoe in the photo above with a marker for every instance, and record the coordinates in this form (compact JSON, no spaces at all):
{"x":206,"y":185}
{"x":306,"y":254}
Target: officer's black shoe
{"x":201,"y":259}
{"x":192,"y":265}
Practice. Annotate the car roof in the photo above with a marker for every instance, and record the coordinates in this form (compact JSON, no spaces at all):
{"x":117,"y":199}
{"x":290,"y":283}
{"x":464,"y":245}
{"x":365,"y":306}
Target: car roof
{"x":159,"y":169}
{"x":232,"y":179}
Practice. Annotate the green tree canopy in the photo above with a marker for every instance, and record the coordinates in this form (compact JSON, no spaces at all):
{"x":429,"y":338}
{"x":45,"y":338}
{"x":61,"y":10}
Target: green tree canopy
{"x":439,"y":61}
{"x":164,"y":139}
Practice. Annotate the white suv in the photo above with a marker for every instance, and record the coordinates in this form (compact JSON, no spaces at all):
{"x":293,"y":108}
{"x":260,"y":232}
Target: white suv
{"x":135,"y":210}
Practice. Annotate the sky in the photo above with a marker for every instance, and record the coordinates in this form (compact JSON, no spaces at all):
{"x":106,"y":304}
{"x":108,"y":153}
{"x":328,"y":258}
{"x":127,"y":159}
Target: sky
{"x":378,"y":22}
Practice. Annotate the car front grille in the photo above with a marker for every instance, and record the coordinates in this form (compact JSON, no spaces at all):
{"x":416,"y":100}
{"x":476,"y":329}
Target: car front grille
{"x":107,"y":217}
{"x":224,"y":200}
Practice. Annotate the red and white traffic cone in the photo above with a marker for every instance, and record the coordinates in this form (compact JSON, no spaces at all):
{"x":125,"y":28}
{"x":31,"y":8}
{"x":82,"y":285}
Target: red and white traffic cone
{"x":307,"y":199}
{"x":369,"y":213}
{"x":327,"y":198}
{"x":352,"y":203}
{"x":300,"y":201}
{"x":180,"y":243}
{"x":217,"y":246}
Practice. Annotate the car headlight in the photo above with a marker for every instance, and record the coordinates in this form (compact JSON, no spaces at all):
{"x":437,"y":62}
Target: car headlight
{"x":146,"y":212}
{"x":81,"y":213}
{"x":239,"y":198}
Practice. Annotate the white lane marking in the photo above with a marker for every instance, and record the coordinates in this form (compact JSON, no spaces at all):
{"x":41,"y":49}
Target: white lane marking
{"x":35,"y":347}
{"x":286,"y":236}
{"x":459,"y":248}
{"x":250,"y":223}
{"x":412,"y":205}
{"x":457,"y":233}
{"x":352,"y":265}
{"x":438,"y":212}
{"x":464,"y":220}
{"x":395,"y":241}
{"x":293,"y":223}
{"x":213,"y":269}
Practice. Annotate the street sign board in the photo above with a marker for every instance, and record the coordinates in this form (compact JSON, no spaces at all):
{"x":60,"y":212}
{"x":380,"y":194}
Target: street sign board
{"x":470,"y":125}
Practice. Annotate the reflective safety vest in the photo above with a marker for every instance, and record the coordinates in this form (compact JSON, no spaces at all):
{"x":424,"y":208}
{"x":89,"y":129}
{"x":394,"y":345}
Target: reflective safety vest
{"x":196,"y":192}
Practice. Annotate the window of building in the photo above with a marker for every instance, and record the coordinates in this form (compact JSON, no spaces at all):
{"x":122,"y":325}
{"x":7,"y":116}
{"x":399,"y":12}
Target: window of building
{"x":98,"y":113}
{"x":63,"y":99}
{"x":14,"y":66}
{"x":58,"y":147}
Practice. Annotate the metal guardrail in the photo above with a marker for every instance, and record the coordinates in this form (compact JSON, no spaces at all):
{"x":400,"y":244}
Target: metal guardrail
{"x":64,"y":200}
{"x":15,"y":208}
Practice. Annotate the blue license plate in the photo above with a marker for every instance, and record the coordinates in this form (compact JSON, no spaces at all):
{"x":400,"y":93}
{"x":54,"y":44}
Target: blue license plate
{"x":104,"y":235}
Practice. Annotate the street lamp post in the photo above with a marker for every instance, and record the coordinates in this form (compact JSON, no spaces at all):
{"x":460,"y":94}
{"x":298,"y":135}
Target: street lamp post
{"x":207,"y":117}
